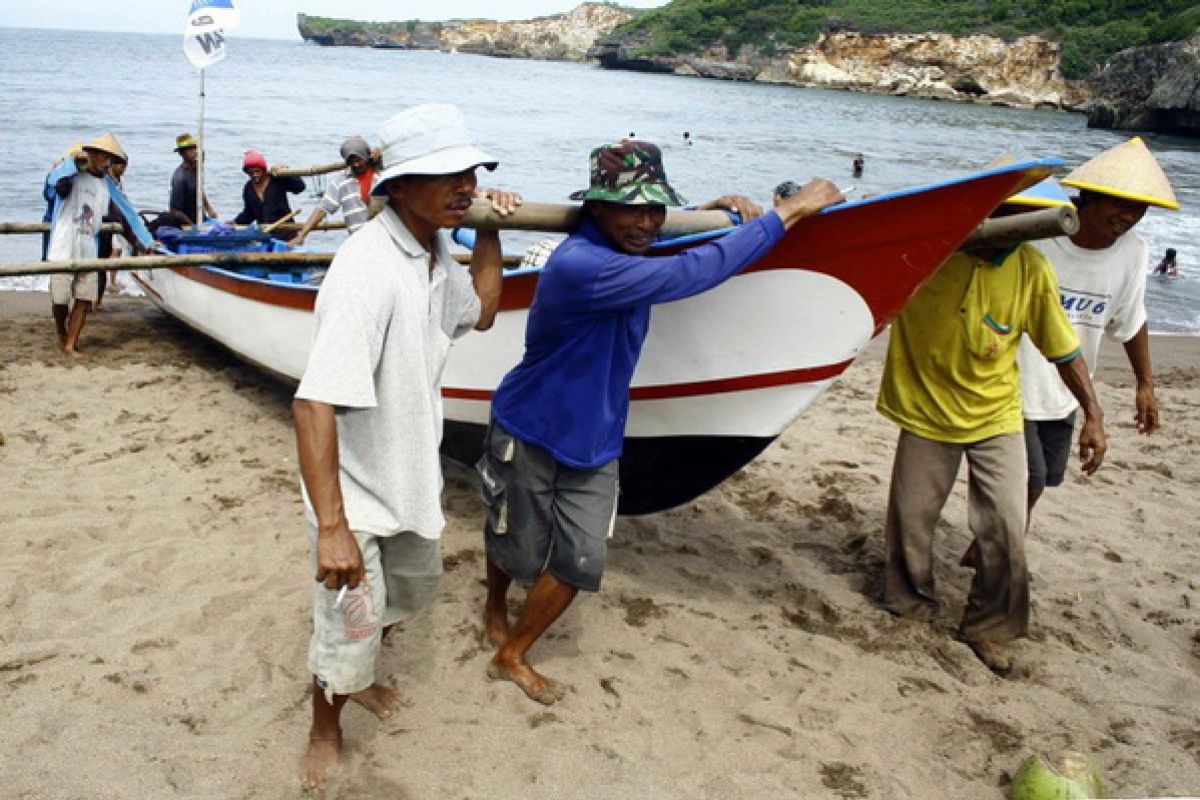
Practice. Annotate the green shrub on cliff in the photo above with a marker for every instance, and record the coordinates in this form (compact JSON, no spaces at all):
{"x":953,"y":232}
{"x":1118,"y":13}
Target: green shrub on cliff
{"x":1090,"y":30}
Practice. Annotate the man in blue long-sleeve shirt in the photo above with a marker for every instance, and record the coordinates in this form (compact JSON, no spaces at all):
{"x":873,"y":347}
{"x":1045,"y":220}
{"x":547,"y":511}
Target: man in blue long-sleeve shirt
{"x":549,"y":469}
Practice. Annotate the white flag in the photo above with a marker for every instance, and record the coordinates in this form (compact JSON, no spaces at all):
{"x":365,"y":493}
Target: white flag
{"x":222,"y":13}
{"x":204,"y":36}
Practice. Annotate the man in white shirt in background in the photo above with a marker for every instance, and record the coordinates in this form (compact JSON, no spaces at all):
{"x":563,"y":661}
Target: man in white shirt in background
{"x":1102,"y":277}
{"x":82,"y":196}
{"x":349,"y":193}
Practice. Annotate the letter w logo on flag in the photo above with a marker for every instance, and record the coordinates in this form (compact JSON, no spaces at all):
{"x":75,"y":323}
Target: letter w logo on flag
{"x":204,"y":36}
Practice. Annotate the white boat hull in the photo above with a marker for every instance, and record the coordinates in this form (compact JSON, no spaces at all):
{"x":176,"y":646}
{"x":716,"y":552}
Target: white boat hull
{"x":721,"y":374}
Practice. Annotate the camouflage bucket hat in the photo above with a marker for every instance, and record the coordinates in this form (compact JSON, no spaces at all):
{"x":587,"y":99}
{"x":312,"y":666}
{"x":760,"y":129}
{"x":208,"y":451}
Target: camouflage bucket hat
{"x":630,"y":173}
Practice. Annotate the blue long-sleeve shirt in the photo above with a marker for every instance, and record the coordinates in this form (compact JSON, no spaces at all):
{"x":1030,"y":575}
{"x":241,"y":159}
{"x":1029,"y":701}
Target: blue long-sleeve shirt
{"x":589,"y":319}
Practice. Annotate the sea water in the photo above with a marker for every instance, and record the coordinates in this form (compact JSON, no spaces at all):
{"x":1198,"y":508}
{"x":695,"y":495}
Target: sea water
{"x":296,"y":102}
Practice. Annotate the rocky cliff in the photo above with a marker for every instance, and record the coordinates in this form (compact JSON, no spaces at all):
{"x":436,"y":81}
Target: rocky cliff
{"x":564,"y":37}
{"x":1154,"y":88}
{"x":981,"y":69}
{"x":1150,"y":88}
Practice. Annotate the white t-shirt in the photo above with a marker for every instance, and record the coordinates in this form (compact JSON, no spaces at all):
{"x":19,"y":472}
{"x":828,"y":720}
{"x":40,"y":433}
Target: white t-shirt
{"x":1103,"y":291}
{"x":79,"y":219}
{"x":385,"y":324}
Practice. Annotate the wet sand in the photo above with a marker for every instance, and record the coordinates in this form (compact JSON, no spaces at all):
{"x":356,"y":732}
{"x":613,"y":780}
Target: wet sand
{"x":156,"y":609}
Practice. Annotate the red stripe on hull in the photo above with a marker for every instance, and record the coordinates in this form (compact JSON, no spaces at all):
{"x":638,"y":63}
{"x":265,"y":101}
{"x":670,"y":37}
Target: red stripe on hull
{"x":885,"y":250}
{"x":742,"y":383}
{"x":270,"y":293}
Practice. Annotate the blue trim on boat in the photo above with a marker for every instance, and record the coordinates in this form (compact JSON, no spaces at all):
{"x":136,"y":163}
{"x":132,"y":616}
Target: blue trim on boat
{"x":1052,"y":162}
{"x":252,"y":279}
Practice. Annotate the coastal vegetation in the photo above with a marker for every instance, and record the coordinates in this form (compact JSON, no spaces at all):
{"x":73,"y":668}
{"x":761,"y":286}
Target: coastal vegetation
{"x":1089,"y":31}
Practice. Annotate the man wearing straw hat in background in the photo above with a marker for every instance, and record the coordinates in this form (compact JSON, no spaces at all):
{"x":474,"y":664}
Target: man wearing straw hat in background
{"x":1102,"y":278}
{"x":368,"y":412}
{"x":82,"y":200}
{"x":181,"y":207}
{"x":350,"y":193}
{"x":950,"y":381}
{"x":549,"y":469}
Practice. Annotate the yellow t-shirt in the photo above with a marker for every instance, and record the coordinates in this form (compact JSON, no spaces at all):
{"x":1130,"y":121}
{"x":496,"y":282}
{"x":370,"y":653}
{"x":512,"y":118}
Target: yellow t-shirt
{"x":951,"y":371}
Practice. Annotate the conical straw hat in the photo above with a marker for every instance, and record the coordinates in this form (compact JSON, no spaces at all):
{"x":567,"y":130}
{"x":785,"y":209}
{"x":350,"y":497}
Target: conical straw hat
{"x":1129,"y":171}
{"x":74,"y":151}
{"x":107,"y":143}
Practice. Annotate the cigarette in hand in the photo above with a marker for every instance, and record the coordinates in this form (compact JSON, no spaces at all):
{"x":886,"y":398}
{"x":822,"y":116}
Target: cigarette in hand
{"x":341,"y":596}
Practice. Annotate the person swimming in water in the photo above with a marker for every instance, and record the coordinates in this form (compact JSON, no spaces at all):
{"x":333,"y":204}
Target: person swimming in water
{"x":1167,"y":265}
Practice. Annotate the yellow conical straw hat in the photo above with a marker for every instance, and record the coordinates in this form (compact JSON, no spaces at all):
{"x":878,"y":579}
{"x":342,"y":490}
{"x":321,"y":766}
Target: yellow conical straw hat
{"x":74,"y":151}
{"x":1129,"y":171}
{"x":107,"y":143}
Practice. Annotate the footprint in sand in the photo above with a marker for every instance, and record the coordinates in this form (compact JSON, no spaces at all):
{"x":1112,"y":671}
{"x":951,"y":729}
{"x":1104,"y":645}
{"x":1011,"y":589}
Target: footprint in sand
{"x":640,"y":610}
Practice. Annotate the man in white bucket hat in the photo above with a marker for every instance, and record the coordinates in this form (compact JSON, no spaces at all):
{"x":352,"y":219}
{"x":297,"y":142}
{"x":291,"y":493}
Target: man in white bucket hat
{"x":1102,"y":278}
{"x":368,"y":412}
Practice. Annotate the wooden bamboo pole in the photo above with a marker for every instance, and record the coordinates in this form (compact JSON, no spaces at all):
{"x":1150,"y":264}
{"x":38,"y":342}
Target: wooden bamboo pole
{"x":559,"y":218}
{"x":305,"y":172}
{"x":1004,"y":232}
{"x":112,"y":227}
{"x":992,"y":233}
{"x":44,"y":227}
{"x":548,"y":217}
{"x":285,"y":219}
{"x":229,"y":261}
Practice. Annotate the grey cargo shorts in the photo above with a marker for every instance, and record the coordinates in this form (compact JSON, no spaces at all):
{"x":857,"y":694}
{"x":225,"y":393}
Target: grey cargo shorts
{"x":544,"y":515}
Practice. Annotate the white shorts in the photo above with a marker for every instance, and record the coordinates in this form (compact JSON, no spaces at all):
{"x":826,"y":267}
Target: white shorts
{"x":403,"y":575}
{"x":77,"y":285}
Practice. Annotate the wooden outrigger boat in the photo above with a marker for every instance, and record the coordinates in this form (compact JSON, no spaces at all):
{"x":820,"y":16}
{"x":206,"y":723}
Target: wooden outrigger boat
{"x":722,"y":374}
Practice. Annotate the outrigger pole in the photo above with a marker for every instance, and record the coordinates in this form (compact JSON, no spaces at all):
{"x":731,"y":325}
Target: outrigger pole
{"x":991,"y":233}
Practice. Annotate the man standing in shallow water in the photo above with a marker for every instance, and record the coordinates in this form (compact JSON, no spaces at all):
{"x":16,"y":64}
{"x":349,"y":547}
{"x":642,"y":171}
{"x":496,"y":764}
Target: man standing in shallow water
{"x":549,"y":469}
{"x":368,"y":412}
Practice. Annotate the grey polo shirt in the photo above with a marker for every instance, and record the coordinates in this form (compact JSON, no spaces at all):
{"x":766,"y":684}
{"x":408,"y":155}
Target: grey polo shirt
{"x":385,"y":323}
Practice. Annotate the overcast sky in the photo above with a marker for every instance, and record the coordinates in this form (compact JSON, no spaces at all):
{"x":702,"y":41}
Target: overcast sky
{"x":267,"y":18}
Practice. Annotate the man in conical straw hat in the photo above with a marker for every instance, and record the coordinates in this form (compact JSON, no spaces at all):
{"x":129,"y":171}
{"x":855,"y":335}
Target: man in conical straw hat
{"x":950,"y":381}
{"x":74,"y":152}
{"x":1102,"y":277}
{"x":83,"y":198}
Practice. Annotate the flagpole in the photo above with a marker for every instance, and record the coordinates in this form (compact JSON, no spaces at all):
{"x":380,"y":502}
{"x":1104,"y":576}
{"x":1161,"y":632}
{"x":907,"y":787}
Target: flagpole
{"x":200,"y":161}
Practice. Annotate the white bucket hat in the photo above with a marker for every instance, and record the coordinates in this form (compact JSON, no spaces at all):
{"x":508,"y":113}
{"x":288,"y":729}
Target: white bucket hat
{"x":429,"y":139}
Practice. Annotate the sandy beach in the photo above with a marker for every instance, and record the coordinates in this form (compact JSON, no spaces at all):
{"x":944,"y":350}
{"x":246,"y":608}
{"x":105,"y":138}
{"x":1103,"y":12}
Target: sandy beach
{"x":156,"y":609}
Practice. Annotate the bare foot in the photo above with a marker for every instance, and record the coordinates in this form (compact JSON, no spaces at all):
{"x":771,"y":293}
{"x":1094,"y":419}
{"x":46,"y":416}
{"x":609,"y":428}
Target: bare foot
{"x":76,"y":354}
{"x":495,"y":625}
{"x":382,"y":701}
{"x":321,"y":760}
{"x":536,"y":687}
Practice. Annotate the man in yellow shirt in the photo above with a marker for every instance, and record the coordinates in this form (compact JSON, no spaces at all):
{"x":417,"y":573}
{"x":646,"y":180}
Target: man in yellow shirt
{"x":951,"y":383}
